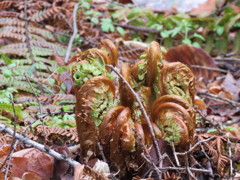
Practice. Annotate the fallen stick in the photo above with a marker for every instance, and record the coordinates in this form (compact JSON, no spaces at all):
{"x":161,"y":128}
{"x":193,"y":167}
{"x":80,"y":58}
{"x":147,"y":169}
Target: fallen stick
{"x":4,"y":128}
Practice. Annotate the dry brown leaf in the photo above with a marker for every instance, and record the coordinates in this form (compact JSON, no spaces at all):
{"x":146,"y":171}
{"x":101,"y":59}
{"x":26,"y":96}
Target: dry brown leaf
{"x":199,"y":103}
{"x":191,"y":55}
{"x":32,"y":160}
{"x":30,"y":176}
{"x":230,"y":84}
{"x":78,"y":172}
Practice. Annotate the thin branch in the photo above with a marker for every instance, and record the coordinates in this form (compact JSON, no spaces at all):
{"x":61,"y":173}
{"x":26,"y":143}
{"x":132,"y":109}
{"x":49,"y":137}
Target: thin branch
{"x":230,"y":159}
{"x":152,"y":163}
{"x":100,"y":148}
{"x":175,"y":155}
{"x":190,"y":174}
{"x":226,"y":59}
{"x":195,"y":145}
{"x":143,"y":111}
{"x":39,"y":106}
{"x":126,"y":60}
{"x":147,"y":157}
{"x":228,"y":101}
{"x":184,"y":168}
{"x":209,"y":68}
{"x":219,"y":11}
{"x":135,"y":28}
{"x":75,"y":30}
{"x":38,"y":146}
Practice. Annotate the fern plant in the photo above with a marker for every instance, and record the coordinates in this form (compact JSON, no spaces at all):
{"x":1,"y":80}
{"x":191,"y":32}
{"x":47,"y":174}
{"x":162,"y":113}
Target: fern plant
{"x":42,"y":39}
{"x":12,"y":74}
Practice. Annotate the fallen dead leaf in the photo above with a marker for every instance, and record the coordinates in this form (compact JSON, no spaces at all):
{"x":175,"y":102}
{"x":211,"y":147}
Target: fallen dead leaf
{"x":30,"y":176}
{"x":191,"y":55}
{"x":231,"y":85}
{"x":32,"y":160}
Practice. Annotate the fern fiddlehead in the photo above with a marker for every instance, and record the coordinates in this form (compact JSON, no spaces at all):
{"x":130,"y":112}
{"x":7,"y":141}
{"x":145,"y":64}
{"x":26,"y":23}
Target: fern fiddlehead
{"x":94,"y":99}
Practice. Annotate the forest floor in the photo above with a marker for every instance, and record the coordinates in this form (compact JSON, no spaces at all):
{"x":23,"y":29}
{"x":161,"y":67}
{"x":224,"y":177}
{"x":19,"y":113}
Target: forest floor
{"x":40,"y":41}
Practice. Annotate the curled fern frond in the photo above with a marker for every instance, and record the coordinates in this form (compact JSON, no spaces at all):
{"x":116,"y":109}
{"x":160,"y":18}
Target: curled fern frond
{"x":172,"y":119}
{"x":176,"y":78}
{"x":126,"y":95}
{"x":123,"y":140}
{"x":111,"y":50}
{"x":94,"y":99}
{"x":154,"y":61}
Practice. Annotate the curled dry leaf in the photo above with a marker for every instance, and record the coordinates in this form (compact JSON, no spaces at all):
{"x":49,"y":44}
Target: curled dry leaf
{"x":30,"y":176}
{"x":94,"y":99}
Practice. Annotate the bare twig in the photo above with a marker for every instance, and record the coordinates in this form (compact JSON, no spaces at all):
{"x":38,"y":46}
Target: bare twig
{"x":56,"y":113}
{"x":228,"y":101}
{"x":184,"y":168}
{"x":175,"y":155}
{"x":195,"y":145}
{"x":230,"y":159}
{"x":209,"y":167}
{"x":226,"y":59}
{"x":218,"y":11}
{"x":202,"y":148}
{"x":39,"y":107}
{"x":146,"y":156}
{"x":152,"y":163}
{"x":190,"y":174}
{"x":126,"y":60}
{"x":100,"y":148}
{"x":209,"y":68}
{"x":38,"y":146}
{"x":75,"y":30}
{"x":135,"y":28}
{"x":143,"y":111}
